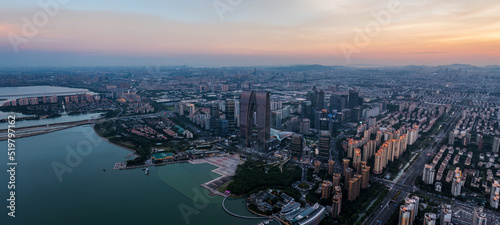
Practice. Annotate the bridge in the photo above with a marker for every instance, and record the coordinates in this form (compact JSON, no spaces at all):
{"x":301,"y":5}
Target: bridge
{"x":45,"y":94}
{"x":245,"y":217}
{"x":21,"y":132}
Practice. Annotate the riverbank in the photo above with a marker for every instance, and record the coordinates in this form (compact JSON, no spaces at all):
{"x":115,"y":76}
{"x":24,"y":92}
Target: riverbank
{"x":226,"y":167}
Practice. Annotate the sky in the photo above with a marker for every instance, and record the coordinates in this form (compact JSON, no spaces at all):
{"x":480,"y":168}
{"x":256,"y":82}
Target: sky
{"x":248,"y":32}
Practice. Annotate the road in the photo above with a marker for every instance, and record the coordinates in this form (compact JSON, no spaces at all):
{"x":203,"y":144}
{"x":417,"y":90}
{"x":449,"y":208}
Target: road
{"x":406,"y":182}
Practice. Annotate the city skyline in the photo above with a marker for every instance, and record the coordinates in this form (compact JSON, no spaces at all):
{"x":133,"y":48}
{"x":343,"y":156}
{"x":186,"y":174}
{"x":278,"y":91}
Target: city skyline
{"x":249,"y":33}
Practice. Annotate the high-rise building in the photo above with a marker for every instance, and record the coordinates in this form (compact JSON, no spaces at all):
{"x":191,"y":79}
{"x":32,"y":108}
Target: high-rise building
{"x":347,"y":177}
{"x":428,"y":174}
{"x":353,"y":98}
{"x":324,"y":146}
{"x":331,"y":166}
{"x":336,"y":179}
{"x":317,"y":166}
{"x":214,"y":119}
{"x":451,"y":138}
{"x":336,"y":204}
{"x":457,"y":183}
{"x":496,"y":144}
{"x":446,"y":212}
{"x":297,"y":145}
{"x":365,"y":172}
{"x":334,"y":103}
{"x":230,"y":115}
{"x":495,"y":194}
{"x":345,"y":165}
{"x":326,"y":189}
{"x":337,"y":190}
{"x":404,"y":216}
{"x":353,"y":187}
{"x":276,"y":118}
{"x":479,"y":217}
{"x":321,"y":101}
{"x":356,"y":158}
{"x":255,"y":102}
{"x":430,"y":219}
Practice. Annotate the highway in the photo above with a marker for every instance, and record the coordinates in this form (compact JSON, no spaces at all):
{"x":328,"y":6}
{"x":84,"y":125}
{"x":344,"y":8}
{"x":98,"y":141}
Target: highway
{"x":406,"y":182}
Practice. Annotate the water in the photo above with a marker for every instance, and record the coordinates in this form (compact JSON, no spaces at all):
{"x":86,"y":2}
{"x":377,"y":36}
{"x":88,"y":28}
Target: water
{"x":88,"y":195}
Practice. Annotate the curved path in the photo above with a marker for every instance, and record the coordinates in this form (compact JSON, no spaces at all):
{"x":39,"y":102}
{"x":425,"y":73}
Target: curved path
{"x":244,"y":217}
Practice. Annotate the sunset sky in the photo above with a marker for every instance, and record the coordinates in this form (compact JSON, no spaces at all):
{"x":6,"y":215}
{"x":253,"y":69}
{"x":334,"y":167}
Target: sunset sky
{"x":251,"y":33}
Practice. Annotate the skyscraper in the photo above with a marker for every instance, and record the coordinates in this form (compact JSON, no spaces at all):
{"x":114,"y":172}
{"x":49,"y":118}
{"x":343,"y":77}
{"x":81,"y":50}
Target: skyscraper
{"x":428,"y":174}
{"x":451,"y":138}
{"x":353,"y":98}
{"x":317,"y":166}
{"x":326,"y":190}
{"x":496,"y":144}
{"x":255,"y":102}
{"x":214,"y":119}
{"x":430,"y":219}
{"x":353,"y":187}
{"x":297,"y":145}
{"x":334,"y":103}
{"x":345,"y":165}
{"x":230,"y":115}
{"x":479,"y":217}
{"x":404,"y":216}
{"x":336,"y":204}
{"x":324,"y":146}
{"x":445,"y":213}
{"x":336,"y":179}
{"x":331,"y":167}
{"x":495,"y":194}
{"x":457,"y":182}
{"x":365,"y":172}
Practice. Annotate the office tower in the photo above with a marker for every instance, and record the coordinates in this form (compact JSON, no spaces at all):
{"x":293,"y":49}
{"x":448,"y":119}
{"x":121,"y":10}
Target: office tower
{"x":345,"y":165}
{"x":334,"y":103}
{"x":224,"y":127}
{"x":297,"y":146}
{"x":255,"y":102}
{"x":494,"y":194}
{"x":356,"y":157}
{"x":428,"y":174}
{"x":347,"y":177}
{"x":214,"y":119}
{"x":324,"y":146}
{"x":321,"y":101}
{"x":404,"y":216}
{"x":456,"y":184}
{"x":451,"y":138}
{"x":496,"y":144}
{"x":230,"y":115}
{"x":365,"y":172}
{"x":479,"y":217}
{"x":305,"y":126}
{"x":317,"y":166}
{"x":326,"y":189}
{"x":331,"y":167}
{"x":276,"y":118}
{"x":356,"y":113}
{"x":312,"y":96}
{"x":430,"y":219}
{"x":353,"y":98}
{"x":336,"y":204}
{"x":445,"y":214}
{"x":353,"y":187}
{"x":336,"y":179}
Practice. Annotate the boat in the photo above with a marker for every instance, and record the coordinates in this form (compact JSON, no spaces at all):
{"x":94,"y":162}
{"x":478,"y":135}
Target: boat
{"x":104,"y":170}
{"x":147,"y":171}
